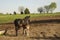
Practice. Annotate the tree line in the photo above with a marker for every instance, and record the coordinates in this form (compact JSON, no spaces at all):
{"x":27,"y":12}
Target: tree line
{"x":46,"y":9}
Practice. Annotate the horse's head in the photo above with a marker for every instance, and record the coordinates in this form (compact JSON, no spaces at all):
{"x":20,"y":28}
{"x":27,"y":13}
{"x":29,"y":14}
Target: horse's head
{"x":26,"y":20}
{"x":27,"y":17}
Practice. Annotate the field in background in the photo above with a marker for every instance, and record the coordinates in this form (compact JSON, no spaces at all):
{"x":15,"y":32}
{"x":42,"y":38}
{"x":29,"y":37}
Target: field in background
{"x":6,"y":18}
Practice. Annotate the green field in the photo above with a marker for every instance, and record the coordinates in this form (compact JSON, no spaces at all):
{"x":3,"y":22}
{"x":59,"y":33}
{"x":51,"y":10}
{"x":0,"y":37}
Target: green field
{"x":5,"y":18}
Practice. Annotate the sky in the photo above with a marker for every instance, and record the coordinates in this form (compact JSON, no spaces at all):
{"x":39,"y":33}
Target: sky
{"x":9,"y":6}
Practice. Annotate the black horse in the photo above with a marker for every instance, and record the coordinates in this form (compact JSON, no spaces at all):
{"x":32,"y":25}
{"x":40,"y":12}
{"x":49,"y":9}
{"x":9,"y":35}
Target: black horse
{"x":22,"y":23}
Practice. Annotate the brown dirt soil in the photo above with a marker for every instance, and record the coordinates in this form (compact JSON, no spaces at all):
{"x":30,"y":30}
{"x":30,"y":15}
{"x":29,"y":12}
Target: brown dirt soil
{"x":38,"y":31}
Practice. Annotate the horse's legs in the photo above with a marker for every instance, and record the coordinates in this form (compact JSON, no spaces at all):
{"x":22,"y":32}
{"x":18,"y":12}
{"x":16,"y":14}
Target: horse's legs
{"x":26,"y":30}
{"x":16,"y":30}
